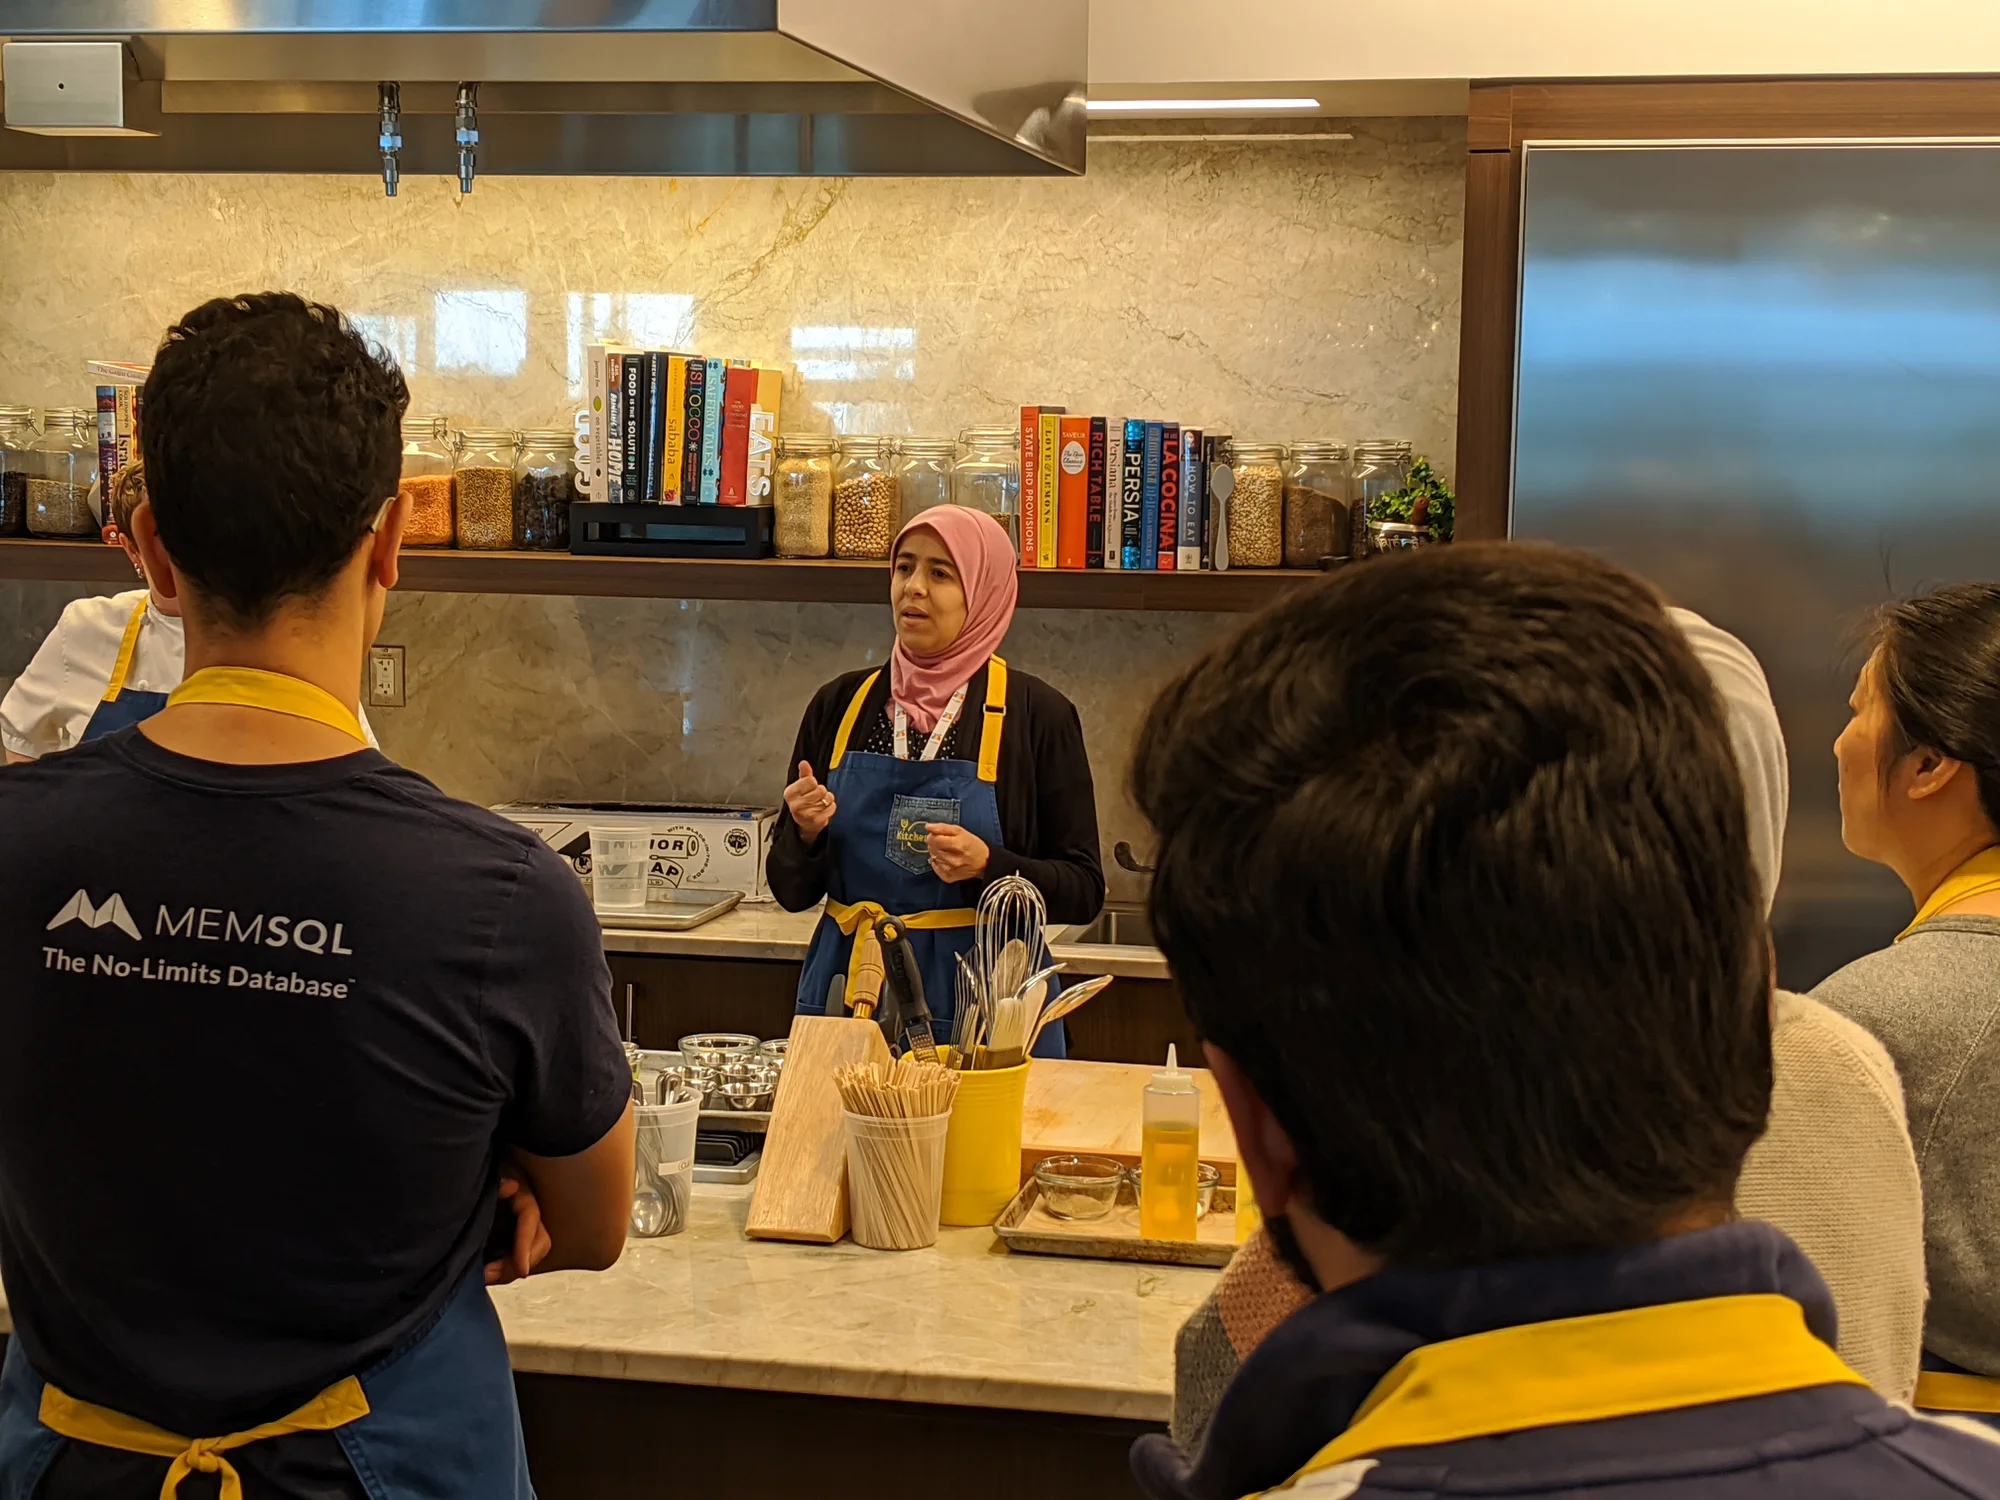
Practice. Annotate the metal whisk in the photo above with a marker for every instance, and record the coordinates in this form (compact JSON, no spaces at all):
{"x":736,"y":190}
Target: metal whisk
{"x":1007,"y":940}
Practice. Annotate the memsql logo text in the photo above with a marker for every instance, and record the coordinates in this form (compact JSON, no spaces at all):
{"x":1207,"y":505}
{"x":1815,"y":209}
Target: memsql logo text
{"x":112,"y":913}
{"x":210,"y":924}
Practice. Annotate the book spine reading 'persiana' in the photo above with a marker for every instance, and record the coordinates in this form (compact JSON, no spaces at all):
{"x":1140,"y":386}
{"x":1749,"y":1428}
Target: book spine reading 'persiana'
{"x":1131,"y":493}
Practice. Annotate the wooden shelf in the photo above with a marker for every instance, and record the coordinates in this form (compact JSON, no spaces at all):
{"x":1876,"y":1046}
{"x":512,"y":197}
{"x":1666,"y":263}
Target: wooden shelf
{"x":446,"y":571}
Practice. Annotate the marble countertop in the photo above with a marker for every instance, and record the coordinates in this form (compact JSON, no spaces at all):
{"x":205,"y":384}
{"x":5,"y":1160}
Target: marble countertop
{"x":964,"y":1323}
{"x":765,"y":930}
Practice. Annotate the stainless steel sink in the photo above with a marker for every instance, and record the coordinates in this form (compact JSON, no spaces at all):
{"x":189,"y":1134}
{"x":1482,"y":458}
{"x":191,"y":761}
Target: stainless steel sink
{"x":1115,"y":926}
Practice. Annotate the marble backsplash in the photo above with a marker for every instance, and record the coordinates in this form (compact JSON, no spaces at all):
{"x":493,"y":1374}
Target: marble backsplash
{"x":1284,"y":291}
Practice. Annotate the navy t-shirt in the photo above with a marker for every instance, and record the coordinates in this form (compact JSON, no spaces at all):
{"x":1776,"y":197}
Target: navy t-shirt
{"x":264,"y":1032}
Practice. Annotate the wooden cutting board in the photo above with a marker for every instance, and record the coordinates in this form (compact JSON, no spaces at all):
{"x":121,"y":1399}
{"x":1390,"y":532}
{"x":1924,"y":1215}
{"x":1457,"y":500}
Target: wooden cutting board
{"x":1094,"y":1109}
{"x":801,"y":1191}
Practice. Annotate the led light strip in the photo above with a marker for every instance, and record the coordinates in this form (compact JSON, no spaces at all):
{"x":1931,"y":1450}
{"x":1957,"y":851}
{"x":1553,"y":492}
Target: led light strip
{"x":1193,"y":106}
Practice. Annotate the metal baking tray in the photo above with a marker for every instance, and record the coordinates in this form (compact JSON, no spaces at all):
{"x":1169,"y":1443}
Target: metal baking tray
{"x":677,"y":911}
{"x":744,"y":1171}
{"x":1025,"y":1226}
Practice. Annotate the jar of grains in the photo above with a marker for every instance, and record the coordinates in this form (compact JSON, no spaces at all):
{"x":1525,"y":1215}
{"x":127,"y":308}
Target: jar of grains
{"x":544,"y":487}
{"x":1381,"y":467}
{"x":61,"y":469}
{"x":865,"y":503}
{"x":17,"y":441}
{"x":1257,"y":506}
{"x":987,"y":476}
{"x":1317,"y":525}
{"x":484,"y":473}
{"x":426,"y":482}
{"x":802,"y":497}
{"x":923,"y":473}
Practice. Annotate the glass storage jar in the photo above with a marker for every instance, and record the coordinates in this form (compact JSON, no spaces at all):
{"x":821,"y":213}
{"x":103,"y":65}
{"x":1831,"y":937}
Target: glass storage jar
{"x":1317,"y":524}
{"x":544,"y":488}
{"x":484,"y":474}
{"x":987,"y":476}
{"x":17,"y":442}
{"x":864,"y":498}
{"x":1381,"y":467}
{"x":923,"y":474}
{"x":1257,"y":505}
{"x":61,"y":470}
{"x":426,"y":482}
{"x":802,"y":497}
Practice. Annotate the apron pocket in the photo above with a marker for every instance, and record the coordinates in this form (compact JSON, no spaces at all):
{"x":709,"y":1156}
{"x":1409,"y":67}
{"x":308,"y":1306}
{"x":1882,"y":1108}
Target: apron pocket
{"x":909,"y":837}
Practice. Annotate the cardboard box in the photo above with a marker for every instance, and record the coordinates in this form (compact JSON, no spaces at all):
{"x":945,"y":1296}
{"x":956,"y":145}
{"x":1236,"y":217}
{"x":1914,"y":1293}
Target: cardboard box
{"x":705,"y":848}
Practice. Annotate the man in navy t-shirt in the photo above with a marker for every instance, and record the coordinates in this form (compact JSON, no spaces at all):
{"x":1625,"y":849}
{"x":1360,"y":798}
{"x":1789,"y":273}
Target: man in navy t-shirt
{"x":279,"y":1015}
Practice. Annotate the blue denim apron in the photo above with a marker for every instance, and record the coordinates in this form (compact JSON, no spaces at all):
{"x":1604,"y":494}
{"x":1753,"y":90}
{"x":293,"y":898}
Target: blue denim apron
{"x":437,"y":1418}
{"x":880,"y":857}
{"x":121,"y":706}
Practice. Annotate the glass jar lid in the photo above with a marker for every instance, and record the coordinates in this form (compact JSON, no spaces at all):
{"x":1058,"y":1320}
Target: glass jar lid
{"x":805,"y":445}
{"x":1256,"y":453}
{"x":1319,"y":449}
{"x":1383,"y":448}
{"x":416,"y":429}
{"x":865,"y":445}
{"x":548,"y":437}
{"x":991,"y":437}
{"x":488,"y":437}
{"x":927,"y":447}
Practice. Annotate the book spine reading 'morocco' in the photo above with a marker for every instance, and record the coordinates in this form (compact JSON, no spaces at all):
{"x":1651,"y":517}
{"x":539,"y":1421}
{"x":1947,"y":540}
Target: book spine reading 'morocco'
{"x":1093,"y":533}
{"x":694,"y":418}
{"x":1131,"y":493}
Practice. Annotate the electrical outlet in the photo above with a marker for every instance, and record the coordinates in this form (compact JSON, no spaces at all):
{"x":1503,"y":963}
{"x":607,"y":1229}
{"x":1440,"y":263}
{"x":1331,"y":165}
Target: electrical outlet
{"x":385,"y":676}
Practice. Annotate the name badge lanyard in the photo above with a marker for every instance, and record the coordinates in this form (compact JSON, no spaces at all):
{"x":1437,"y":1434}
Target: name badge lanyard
{"x":945,"y":720}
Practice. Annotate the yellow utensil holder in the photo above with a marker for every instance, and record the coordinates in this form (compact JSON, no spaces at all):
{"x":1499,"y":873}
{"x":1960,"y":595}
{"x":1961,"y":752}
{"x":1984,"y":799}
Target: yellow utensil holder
{"x":982,"y":1149}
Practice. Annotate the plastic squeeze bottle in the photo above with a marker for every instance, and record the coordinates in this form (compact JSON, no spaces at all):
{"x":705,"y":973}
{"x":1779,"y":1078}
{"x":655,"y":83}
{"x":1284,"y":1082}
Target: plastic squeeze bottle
{"x":1169,"y":1154}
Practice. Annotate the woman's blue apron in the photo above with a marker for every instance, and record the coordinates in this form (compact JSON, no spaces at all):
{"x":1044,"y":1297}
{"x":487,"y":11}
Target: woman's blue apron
{"x":880,"y":857}
{"x":435,"y":1420}
{"x":123,"y":707}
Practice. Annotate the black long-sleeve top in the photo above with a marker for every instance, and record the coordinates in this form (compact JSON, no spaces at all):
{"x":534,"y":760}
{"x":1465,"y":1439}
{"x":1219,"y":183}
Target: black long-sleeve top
{"x":1048,"y":806}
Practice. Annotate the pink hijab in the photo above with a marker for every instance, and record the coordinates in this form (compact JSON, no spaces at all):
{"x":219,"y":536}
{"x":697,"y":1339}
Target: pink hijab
{"x":979,"y":546}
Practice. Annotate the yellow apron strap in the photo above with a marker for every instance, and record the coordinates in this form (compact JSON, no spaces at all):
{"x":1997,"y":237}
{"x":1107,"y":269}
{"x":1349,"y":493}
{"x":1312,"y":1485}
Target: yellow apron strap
{"x":82,"y":1422}
{"x":1591,"y":1369}
{"x":250,"y":687}
{"x":994,"y":720}
{"x":850,"y":919}
{"x":1943,"y":1390}
{"x":1976,"y":877}
{"x":122,"y":668}
{"x":847,"y":719}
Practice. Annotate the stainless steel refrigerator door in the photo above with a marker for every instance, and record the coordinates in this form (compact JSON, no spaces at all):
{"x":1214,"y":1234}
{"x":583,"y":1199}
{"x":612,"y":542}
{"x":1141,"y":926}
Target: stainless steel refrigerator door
{"x":1768,"y":378}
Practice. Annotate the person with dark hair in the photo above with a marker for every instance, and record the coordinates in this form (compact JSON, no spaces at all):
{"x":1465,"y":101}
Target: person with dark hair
{"x":1482,"y":970}
{"x":1920,"y":793}
{"x":363,"y":1012}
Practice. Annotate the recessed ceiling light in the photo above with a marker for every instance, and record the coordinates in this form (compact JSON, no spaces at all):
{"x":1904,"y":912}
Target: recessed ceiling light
{"x":1193,"y":106}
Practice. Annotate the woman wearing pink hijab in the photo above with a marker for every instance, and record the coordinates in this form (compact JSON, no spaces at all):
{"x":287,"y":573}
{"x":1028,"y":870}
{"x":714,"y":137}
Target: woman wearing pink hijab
{"x":916,"y":786}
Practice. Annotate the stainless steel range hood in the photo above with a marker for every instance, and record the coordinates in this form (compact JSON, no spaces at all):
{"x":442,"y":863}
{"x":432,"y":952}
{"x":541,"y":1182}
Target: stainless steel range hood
{"x":590,"y":87}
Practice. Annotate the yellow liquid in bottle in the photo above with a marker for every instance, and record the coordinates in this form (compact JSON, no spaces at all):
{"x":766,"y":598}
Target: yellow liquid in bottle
{"x":1248,"y":1215}
{"x":1169,"y":1169}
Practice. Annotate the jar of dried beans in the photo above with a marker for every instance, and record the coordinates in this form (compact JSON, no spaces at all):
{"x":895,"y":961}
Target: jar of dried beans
{"x":1381,"y":467}
{"x":484,"y":474}
{"x":426,"y":482}
{"x":1257,"y":506}
{"x":866,"y":502}
{"x":17,"y":442}
{"x":62,"y":469}
{"x":802,"y":497}
{"x":544,"y":487}
{"x":1317,"y":525}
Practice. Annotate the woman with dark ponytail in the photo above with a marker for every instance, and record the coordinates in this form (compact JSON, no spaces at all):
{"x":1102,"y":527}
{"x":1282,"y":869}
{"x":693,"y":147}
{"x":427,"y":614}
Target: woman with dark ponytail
{"x":1920,"y":793}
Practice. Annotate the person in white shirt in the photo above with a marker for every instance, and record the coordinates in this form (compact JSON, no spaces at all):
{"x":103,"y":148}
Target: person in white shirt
{"x":110,"y":661}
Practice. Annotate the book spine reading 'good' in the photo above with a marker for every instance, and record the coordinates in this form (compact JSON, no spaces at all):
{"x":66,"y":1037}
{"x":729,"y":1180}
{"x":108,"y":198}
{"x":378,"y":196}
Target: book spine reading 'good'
{"x":1093,"y":538}
{"x":711,"y":434}
{"x":635,"y":428}
{"x":1131,"y":493}
{"x":1188,"y":550}
{"x":1072,"y":490}
{"x":693,"y":425}
{"x":1149,"y":506}
{"x":739,"y":387}
{"x":1169,"y":523}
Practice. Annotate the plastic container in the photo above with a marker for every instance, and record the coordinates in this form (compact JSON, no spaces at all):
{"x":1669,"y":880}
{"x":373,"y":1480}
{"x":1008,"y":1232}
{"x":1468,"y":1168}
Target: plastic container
{"x":618,"y":866}
{"x":484,"y":473}
{"x":1170,"y":1154}
{"x":923,"y":474}
{"x":544,"y":489}
{"x":427,"y":484}
{"x":865,"y":499}
{"x":662,"y":1167}
{"x":987,"y":476}
{"x":802,"y":497}
{"x":895,"y":1179}
{"x":61,"y":471}
{"x":1317,"y":523}
{"x":17,"y":442}
{"x":982,"y":1160}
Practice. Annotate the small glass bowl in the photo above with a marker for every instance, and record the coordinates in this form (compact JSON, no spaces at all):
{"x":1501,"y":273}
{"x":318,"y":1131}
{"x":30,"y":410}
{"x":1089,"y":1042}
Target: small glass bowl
{"x":1206,"y":1181}
{"x":711,"y":1049}
{"x":1078,"y":1187}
